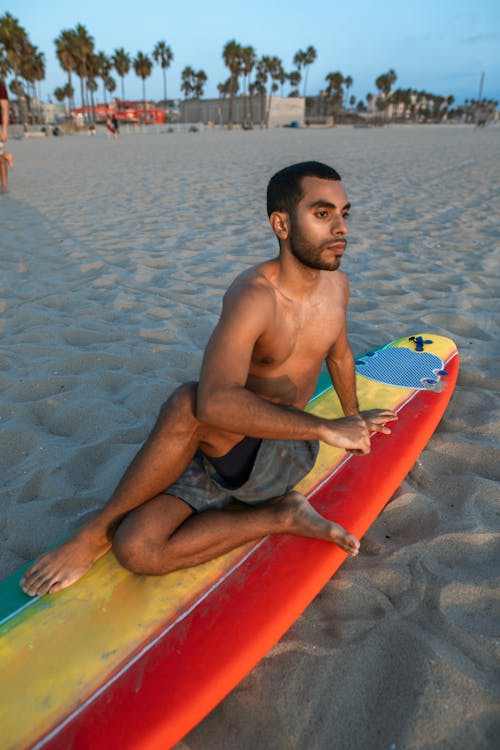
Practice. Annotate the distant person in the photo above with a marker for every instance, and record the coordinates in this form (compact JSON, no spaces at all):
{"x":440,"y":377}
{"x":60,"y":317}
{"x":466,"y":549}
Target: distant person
{"x":116,"y":124}
{"x":481,"y":119}
{"x":6,"y":158}
{"x":110,"y":127}
{"x":242,"y":431}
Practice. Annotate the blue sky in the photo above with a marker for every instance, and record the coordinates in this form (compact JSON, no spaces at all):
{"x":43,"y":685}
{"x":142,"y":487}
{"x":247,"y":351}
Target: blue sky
{"x":441,"y":46}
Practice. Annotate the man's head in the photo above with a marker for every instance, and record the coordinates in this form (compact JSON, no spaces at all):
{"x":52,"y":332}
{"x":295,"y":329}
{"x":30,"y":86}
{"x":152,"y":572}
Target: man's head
{"x":285,"y":187}
{"x":308,"y":210}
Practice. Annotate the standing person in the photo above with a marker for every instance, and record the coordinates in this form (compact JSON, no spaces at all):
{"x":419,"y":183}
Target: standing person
{"x":110,"y":125}
{"x":241,"y":431}
{"x":6,"y":158}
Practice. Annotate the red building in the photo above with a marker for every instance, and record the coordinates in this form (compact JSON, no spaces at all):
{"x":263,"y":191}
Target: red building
{"x":126,"y":111}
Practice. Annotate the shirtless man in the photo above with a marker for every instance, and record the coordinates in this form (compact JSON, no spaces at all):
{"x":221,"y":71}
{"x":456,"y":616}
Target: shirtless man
{"x":242,"y":430}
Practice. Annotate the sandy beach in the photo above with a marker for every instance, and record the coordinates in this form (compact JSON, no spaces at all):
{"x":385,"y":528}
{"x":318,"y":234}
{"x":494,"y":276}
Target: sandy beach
{"x":114,"y":255}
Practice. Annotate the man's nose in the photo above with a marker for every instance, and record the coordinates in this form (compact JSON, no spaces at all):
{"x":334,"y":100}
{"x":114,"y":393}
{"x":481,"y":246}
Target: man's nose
{"x":339,"y":225}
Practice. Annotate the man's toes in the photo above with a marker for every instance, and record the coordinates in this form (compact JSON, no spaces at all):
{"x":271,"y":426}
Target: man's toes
{"x":55,"y":588}
{"x":353,"y":546}
{"x":35,"y":585}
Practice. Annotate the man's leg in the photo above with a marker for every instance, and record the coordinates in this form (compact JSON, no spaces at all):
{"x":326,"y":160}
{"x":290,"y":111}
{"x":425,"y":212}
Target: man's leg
{"x":163,"y":535}
{"x":155,"y":533}
{"x":3,"y":173}
{"x":163,"y":458}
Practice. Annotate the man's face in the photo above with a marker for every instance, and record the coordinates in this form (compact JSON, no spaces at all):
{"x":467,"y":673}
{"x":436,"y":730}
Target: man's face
{"x":318,"y":227}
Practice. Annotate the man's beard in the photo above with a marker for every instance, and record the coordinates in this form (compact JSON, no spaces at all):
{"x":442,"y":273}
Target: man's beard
{"x":311,"y":255}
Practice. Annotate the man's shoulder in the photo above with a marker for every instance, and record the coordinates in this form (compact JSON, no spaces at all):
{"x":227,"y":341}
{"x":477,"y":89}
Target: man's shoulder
{"x":255,"y":279}
{"x":337,"y":280}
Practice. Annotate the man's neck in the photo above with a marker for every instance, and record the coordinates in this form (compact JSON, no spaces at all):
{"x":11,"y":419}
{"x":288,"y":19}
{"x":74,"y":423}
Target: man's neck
{"x":294,"y":279}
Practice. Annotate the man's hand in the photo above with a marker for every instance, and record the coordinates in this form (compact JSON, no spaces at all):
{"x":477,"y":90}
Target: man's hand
{"x":377,"y":418}
{"x":353,"y":433}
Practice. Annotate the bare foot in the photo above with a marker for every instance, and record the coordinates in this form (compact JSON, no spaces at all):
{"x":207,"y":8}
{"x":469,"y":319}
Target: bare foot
{"x":305,"y":521}
{"x":61,"y":567}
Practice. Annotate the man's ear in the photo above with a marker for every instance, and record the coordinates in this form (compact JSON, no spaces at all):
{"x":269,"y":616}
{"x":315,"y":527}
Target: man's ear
{"x":280,"y":223}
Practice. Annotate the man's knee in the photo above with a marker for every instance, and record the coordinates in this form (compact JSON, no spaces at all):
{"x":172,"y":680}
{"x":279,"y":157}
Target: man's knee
{"x":180,"y":407}
{"x":183,"y":400}
{"x":136,"y":554}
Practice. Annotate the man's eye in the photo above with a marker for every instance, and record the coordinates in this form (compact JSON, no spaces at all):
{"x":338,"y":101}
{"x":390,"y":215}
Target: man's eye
{"x":321,"y":214}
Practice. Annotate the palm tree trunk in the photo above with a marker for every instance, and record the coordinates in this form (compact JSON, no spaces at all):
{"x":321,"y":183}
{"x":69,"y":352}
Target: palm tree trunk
{"x":20,"y":102}
{"x":92,"y":104}
{"x":83,"y":95}
{"x":268,"y":108}
{"x":70,"y":98}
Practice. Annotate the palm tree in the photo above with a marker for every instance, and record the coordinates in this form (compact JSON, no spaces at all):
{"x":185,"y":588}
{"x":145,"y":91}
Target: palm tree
{"x":310,"y":57}
{"x":65,"y":56}
{"x":232,"y":56}
{"x":4,"y":65}
{"x":65,"y":92}
{"x":201,"y":79}
{"x":33,"y":71}
{"x":294,"y":79}
{"x":248,"y":60}
{"x":334,"y":89}
{"x":14,"y":40}
{"x":163,"y":55}
{"x":121,"y":63}
{"x":103,"y":66}
{"x":299,"y":61}
{"x":143,"y":67}
{"x":384,"y":83}
{"x":304,"y":59}
{"x":110,"y":84}
{"x":92,"y":88}
{"x":187,"y":81}
{"x":270,"y":69}
{"x":82,"y":47}
{"x":348,"y":83}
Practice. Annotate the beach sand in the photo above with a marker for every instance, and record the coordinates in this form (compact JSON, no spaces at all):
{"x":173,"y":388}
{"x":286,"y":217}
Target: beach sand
{"x":114,"y":257}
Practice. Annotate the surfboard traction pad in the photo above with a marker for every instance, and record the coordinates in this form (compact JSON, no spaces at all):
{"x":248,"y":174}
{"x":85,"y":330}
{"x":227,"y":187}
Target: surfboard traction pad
{"x":402,"y":367}
{"x":51,"y":671}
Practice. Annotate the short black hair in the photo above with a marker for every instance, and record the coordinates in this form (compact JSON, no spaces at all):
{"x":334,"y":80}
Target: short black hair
{"x":285,"y":187}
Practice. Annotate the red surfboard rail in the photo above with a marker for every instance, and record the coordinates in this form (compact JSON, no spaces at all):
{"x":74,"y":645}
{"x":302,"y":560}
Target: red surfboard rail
{"x":176,"y":679}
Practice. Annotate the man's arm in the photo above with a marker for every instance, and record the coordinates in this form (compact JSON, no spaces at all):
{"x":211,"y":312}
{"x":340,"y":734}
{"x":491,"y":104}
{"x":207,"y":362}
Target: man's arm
{"x":341,"y":366}
{"x":224,"y":402}
{"x":340,"y":363}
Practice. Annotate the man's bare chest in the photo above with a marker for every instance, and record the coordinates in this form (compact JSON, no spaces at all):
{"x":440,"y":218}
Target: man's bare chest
{"x":299,"y":336}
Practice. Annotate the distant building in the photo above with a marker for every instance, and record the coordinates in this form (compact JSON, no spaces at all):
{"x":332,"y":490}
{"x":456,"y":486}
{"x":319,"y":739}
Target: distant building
{"x":246,"y":111}
{"x":125,"y":111}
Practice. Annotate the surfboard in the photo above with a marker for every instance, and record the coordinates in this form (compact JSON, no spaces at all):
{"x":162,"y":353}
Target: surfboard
{"x":120,"y":660}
